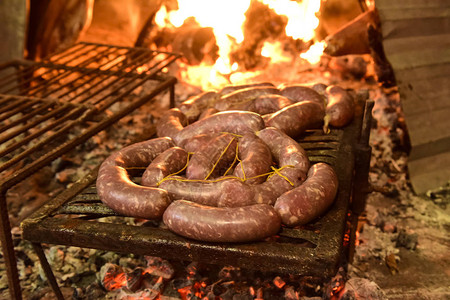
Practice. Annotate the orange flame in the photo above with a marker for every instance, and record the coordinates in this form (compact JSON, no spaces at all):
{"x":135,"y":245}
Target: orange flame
{"x":226,"y":18}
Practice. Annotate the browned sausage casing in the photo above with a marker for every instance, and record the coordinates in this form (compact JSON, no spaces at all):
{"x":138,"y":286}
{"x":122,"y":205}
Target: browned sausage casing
{"x":238,"y":122}
{"x":340,"y":107}
{"x":170,"y":161}
{"x":208,"y":112}
{"x":116,"y":189}
{"x":196,"y":142}
{"x":212,"y":193}
{"x":296,"y":118}
{"x":236,"y":99}
{"x":268,"y":192}
{"x":231,"y":88}
{"x":217,"y":224}
{"x":299,"y":92}
{"x":256,"y":159}
{"x":285,"y":150}
{"x":170,"y":123}
{"x":311,"y":199}
{"x":267,"y":104}
{"x":213,"y":158}
{"x":195,"y":105}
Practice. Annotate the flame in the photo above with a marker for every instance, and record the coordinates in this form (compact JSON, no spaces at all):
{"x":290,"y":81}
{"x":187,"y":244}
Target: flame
{"x":300,"y":15}
{"x":314,"y":53}
{"x":226,"y":18}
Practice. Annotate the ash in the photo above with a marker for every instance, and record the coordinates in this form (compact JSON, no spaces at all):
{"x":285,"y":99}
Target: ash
{"x":402,"y":243}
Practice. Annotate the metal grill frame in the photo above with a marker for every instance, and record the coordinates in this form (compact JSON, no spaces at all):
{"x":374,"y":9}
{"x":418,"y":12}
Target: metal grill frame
{"x":314,"y":251}
{"x":89,"y":79}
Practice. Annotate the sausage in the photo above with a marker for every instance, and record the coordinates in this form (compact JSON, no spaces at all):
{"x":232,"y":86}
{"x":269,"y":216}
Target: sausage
{"x":255,"y":157}
{"x":195,"y":105}
{"x":340,"y":107}
{"x":285,"y":150}
{"x":300,"y":92}
{"x":203,"y":192}
{"x":218,"y":224}
{"x":231,"y":88}
{"x":311,"y":199}
{"x":120,"y":193}
{"x":196,"y":142}
{"x":295,"y":119}
{"x":236,"y":99}
{"x":170,"y":123}
{"x":266,"y":104}
{"x":213,"y":158}
{"x":289,"y":156}
{"x":211,"y":193}
{"x":238,"y":122}
{"x":208,"y":112}
{"x":170,"y":161}
{"x":276,"y":185}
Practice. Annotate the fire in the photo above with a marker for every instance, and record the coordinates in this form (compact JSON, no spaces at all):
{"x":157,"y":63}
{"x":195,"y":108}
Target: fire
{"x":226,"y":18}
{"x":300,"y":15}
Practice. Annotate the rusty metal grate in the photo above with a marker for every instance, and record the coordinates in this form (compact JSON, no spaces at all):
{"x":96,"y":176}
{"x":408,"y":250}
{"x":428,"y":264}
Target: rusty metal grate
{"x":78,"y":218}
{"x":49,"y":107}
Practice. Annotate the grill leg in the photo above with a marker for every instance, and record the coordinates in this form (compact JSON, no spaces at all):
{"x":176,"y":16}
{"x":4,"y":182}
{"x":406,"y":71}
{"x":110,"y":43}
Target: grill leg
{"x":48,"y":270}
{"x":8,"y":251}
{"x":172,"y":96}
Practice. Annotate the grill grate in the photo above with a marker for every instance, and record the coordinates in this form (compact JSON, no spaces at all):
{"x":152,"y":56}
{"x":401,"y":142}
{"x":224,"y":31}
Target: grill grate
{"x":49,"y":107}
{"x":78,"y":218}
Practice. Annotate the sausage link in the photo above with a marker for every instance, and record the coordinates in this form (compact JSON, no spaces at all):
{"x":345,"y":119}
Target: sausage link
{"x":285,"y":150}
{"x":267,"y":104}
{"x":256,"y":159}
{"x":238,"y":122}
{"x":212,"y":193}
{"x":170,"y":161}
{"x":300,"y":92}
{"x":194,"y":143}
{"x":120,"y":193}
{"x":195,"y":105}
{"x":276,"y":185}
{"x":295,"y":119}
{"x":213,"y":158}
{"x":311,"y":199}
{"x":218,"y":224}
{"x":170,"y":123}
{"x":232,"y":88}
{"x":236,"y":99}
{"x":340,"y":108}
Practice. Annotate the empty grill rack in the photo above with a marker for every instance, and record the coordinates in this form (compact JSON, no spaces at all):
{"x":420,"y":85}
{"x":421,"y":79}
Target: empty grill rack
{"x":49,"y":107}
{"x":78,"y":218}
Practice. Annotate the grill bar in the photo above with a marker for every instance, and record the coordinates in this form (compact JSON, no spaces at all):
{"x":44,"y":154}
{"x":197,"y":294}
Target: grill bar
{"x":313,"y":250}
{"x":52,"y":106}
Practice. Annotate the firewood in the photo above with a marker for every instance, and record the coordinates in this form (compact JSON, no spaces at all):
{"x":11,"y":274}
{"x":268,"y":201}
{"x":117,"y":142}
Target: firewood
{"x":352,"y":38}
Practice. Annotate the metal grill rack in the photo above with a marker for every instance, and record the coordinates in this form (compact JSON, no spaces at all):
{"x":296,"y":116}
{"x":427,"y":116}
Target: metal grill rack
{"x":49,"y":107}
{"x":78,"y":218}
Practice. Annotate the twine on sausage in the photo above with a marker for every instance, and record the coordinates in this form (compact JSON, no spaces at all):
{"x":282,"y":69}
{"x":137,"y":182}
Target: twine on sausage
{"x":220,"y":157}
{"x":276,"y":171}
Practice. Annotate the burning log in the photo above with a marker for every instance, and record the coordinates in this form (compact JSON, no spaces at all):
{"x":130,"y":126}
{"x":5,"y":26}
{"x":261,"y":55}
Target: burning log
{"x":261,"y":24}
{"x":197,"y":44}
{"x":353,"y":37}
